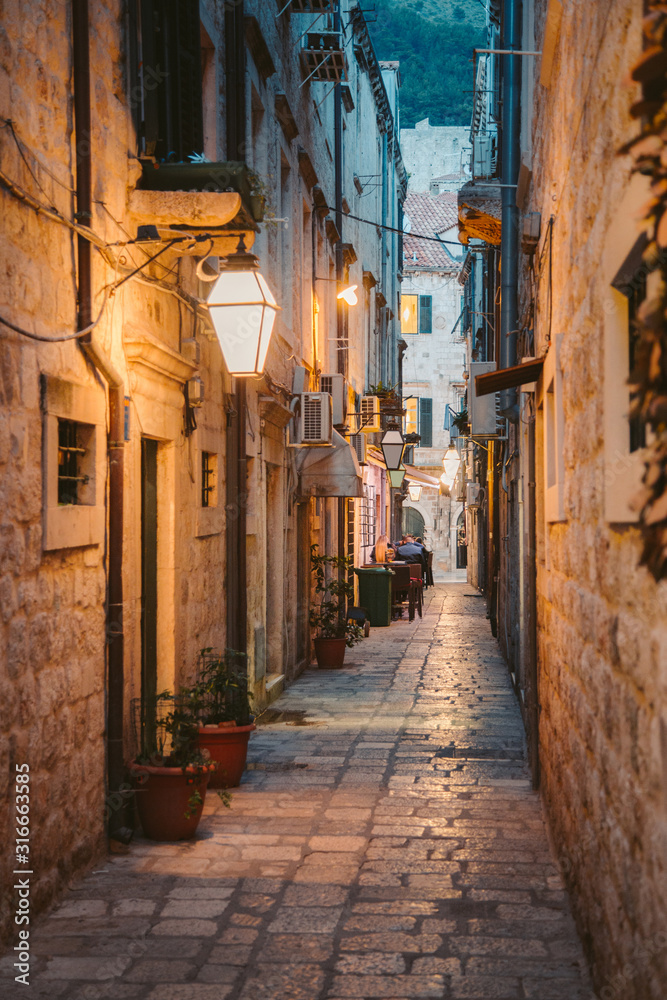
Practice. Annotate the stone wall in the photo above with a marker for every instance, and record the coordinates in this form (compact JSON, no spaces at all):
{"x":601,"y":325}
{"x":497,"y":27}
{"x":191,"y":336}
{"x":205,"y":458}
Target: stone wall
{"x":436,"y":152}
{"x":602,"y":619}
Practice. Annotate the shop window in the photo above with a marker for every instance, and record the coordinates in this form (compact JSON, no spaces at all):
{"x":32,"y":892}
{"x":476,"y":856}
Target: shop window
{"x":409,"y":316}
{"x":74,"y":459}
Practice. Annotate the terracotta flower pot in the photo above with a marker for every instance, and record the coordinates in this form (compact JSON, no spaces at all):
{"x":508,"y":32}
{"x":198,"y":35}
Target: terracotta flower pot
{"x":163,"y":799}
{"x":228,"y":746}
{"x":330,"y":652}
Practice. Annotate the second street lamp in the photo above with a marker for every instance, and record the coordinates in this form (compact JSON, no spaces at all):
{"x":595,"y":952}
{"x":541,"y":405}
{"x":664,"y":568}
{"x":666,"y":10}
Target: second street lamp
{"x":415,"y":492}
{"x":392,"y":448}
{"x":243,"y":311}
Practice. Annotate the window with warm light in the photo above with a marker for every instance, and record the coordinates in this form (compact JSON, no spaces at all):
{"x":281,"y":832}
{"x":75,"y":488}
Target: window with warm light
{"x":411,"y":407}
{"x":409,"y":314}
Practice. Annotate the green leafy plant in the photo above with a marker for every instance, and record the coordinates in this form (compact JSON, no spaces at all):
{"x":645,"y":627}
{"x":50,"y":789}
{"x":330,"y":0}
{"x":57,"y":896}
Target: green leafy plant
{"x":460,"y":421}
{"x":328,"y":613}
{"x":383,"y":391}
{"x":220,"y":694}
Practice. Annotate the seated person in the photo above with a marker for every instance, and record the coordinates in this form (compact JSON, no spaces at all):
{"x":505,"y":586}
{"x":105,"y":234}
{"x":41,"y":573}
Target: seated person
{"x":411,"y":551}
{"x":383,"y":551}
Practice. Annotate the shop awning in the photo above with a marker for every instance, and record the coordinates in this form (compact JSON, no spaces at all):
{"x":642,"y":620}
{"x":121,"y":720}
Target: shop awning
{"x":508,"y":378}
{"x":422,"y":478}
{"x":330,"y":471}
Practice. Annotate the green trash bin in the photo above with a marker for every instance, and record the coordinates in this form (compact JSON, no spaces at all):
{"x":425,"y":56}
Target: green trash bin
{"x":375,"y":594}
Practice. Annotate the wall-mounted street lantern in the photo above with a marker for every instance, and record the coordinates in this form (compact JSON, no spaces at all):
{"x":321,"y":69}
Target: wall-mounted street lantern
{"x":396,"y":477}
{"x":243,"y":311}
{"x":415,"y":493}
{"x":348,"y":293}
{"x":451,"y":463}
{"x":393,"y":444}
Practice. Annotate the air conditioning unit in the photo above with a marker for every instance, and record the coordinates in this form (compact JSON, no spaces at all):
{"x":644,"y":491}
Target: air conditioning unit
{"x":358,"y":442}
{"x":369,"y":420}
{"x":483,"y":156}
{"x":473,"y":491}
{"x":336,"y":386}
{"x":315,"y":420}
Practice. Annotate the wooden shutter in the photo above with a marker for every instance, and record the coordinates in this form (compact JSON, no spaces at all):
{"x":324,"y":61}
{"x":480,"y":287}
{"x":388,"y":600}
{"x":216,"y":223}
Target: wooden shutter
{"x":425,"y":313}
{"x":426,"y":422}
{"x":171,"y":79}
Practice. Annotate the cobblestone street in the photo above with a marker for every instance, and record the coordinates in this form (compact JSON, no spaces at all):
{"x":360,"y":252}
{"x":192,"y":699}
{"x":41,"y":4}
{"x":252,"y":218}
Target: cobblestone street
{"x":385,"y":843}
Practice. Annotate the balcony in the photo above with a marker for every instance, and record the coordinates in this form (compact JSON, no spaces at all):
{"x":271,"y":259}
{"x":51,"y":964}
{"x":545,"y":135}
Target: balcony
{"x":323,"y":58}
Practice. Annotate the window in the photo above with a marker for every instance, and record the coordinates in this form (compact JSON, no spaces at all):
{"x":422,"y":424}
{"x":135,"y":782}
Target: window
{"x":416,"y":313}
{"x":209,"y":479}
{"x":74,"y":462}
{"x":411,"y":415}
{"x":74,"y":458}
{"x":170,"y":79}
{"x":425,"y":313}
{"x":419,"y":419}
{"x":367,"y":517}
{"x":409,"y":322}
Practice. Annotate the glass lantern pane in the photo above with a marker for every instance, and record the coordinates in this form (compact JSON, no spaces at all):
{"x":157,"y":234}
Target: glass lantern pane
{"x":238,"y":329}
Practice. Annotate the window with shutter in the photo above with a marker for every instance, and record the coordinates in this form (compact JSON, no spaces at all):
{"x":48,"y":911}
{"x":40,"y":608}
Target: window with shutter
{"x":426,"y":423}
{"x":425,"y":311}
{"x":170,"y":63}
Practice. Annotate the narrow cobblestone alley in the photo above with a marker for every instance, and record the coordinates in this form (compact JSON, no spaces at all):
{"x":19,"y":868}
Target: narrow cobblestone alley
{"x":385,"y":843}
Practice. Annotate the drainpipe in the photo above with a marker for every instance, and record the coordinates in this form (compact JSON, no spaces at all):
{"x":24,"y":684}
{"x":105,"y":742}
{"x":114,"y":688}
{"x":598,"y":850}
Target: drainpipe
{"x":237,"y":462}
{"x":511,"y":152}
{"x":114,"y":608}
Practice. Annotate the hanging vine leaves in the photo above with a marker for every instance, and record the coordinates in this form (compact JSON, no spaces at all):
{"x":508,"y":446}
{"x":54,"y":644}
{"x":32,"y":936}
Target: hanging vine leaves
{"x":649,"y":378}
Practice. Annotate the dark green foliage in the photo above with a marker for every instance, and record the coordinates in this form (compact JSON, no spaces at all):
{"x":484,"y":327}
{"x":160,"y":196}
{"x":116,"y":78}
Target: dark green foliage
{"x":435,"y":57}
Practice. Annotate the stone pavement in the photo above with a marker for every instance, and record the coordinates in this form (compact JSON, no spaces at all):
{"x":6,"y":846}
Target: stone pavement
{"x":385,"y":843}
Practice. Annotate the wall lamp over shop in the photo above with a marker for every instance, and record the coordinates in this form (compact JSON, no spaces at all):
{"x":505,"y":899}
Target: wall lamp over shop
{"x":393,"y":444}
{"x":243,"y":311}
{"x":347,"y":294}
{"x":415,"y":493}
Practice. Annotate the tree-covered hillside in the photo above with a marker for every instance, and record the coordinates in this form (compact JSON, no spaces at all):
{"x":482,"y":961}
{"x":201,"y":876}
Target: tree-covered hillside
{"x":434,"y":43}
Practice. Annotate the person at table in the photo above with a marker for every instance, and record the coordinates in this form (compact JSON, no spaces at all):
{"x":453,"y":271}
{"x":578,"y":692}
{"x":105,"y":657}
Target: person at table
{"x":383,"y":547}
{"x":410,"y":551}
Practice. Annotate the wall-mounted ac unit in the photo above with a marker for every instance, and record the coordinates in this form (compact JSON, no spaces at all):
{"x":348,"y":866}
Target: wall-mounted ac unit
{"x":473,"y":491}
{"x":336,"y":386}
{"x":315,"y":420}
{"x":358,"y":442}
{"x":369,"y":421}
{"x":483,"y":156}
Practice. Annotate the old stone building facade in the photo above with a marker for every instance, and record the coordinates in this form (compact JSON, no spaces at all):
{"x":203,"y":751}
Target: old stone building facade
{"x":196,"y":123}
{"x":582,"y":623}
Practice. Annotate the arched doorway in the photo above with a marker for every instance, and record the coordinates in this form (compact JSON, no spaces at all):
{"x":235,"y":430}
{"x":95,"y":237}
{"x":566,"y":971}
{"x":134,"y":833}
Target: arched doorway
{"x":461,"y":547}
{"x":412,"y":522}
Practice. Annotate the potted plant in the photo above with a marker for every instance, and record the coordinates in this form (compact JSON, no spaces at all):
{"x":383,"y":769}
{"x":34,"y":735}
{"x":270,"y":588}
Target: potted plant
{"x":328,"y":612}
{"x":170,"y":773}
{"x":221,"y":703}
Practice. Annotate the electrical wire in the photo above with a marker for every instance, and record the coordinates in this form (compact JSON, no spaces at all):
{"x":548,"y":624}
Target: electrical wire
{"x":401,"y":232}
{"x":60,"y":338}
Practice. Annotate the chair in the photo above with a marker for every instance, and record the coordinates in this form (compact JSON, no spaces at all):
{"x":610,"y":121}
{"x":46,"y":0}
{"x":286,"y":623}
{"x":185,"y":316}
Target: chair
{"x":417,"y":585}
{"x":401,"y":585}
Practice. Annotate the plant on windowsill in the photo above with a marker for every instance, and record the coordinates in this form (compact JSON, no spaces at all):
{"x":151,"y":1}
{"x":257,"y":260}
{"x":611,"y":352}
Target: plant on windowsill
{"x":461,"y":422}
{"x":328,"y":612}
{"x":170,"y":773}
{"x":220,"y":702}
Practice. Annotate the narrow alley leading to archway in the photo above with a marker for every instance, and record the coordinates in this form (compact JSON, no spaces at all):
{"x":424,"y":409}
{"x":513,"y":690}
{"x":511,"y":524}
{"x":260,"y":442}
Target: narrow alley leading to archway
{"x":385,"y":842}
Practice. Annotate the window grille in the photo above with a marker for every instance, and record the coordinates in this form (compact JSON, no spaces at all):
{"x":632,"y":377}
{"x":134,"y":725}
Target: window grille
{"x":208,"y":479}
{"x":367,"y":520}
{"x":70,"y":454}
